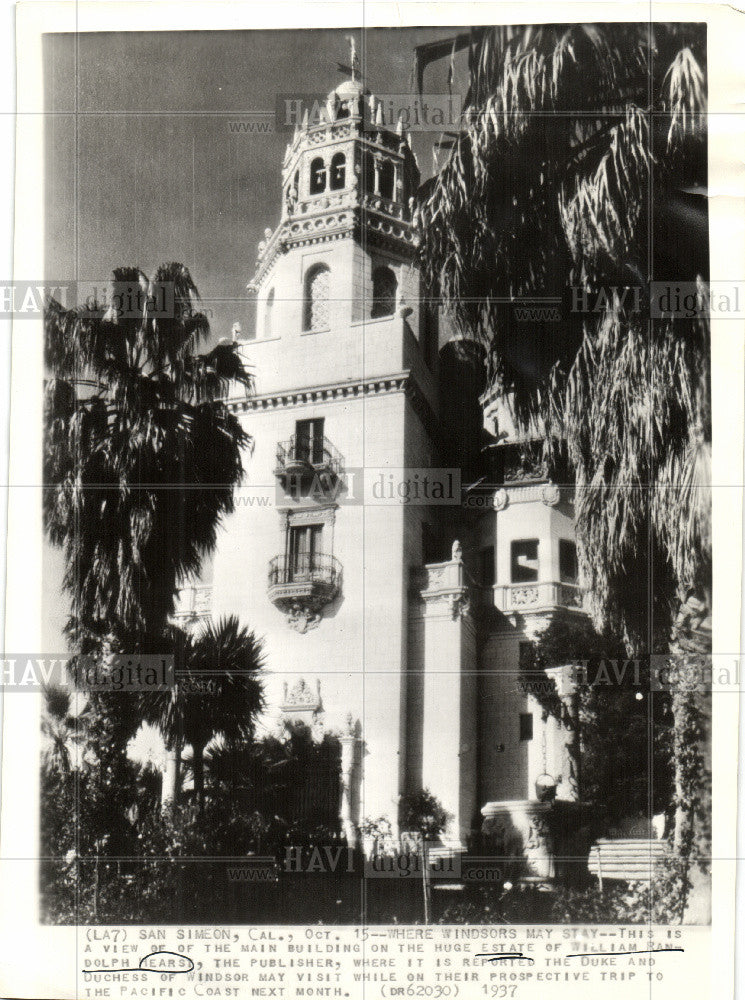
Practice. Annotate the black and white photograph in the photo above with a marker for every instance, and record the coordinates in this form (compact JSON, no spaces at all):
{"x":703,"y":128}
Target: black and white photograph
{"x":377,"y":575}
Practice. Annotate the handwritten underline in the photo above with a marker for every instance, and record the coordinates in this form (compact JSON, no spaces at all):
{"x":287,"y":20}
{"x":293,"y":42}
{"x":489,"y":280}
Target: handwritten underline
{"x":515,"y":955}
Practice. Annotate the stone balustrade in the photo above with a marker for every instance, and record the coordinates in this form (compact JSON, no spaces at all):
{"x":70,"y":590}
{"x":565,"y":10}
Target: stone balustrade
{"x":520,"y":597}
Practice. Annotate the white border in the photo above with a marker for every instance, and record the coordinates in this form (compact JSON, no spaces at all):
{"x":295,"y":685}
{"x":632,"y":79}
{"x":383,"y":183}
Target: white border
{"x":46,"y":952}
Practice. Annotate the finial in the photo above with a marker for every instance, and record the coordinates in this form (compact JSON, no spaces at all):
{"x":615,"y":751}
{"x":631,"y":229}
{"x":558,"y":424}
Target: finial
{"x":400,"y":126}
{"x":379,"y":116}
{"x":352,"y":55}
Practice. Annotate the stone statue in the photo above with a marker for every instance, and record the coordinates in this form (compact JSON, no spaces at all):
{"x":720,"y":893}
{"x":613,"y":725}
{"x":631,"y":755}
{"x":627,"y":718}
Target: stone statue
{"x":457,"y":553}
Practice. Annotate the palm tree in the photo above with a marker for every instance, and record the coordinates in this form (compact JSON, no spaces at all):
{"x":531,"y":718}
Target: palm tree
{"x":141,"y":452}
{"x":63,"y":732}
{"x":579,"y":149}
{"x":218,"y":693}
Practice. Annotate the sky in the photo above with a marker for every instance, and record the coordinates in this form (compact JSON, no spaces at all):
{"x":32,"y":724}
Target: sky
{"x":159,"y":176}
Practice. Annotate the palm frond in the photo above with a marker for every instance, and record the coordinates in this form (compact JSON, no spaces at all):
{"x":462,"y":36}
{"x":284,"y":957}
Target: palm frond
{"x":548,"y":187}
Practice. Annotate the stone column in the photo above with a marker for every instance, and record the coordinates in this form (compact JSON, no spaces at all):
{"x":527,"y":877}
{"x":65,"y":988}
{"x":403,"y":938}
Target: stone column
{"x":564,"y":733}
{"x":448,"y":662}
{"x":377,"y":163}
{"x":349,"y":741}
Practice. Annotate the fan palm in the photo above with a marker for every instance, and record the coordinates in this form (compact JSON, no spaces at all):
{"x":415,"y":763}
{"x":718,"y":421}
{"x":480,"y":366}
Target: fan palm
{"x":141,"y":453}
{"x":63,"y":732}
{"x":218,"y":693}
{"x":579,"y":148}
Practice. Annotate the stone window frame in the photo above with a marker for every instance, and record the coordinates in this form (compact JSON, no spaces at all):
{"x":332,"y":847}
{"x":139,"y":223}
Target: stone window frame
{"x":324,"y":516}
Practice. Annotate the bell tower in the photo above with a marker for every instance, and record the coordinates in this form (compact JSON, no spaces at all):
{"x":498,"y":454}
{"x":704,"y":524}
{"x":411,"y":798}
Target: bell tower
{"x":345,"y":364}
{"x":349,"y":177}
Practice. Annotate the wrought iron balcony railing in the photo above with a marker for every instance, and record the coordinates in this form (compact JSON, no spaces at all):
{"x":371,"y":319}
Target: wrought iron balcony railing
{"x":306,"y":568}
{"x":301,"y":586}
{"x":301,"y":455}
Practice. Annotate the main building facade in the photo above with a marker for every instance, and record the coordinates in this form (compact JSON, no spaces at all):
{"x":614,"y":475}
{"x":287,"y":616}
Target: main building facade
{"x":399,"y":624}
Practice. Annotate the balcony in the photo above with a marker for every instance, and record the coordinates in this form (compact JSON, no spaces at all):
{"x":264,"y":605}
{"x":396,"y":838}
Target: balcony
{"x":532,"y":597}
{"x":193,"y":606}
{"x":302,"y":459}
{"x":446,"y":584}
{"x":302,"y":585}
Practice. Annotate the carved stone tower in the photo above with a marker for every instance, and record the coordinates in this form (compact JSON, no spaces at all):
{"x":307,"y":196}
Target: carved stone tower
{"x":346,"y":368}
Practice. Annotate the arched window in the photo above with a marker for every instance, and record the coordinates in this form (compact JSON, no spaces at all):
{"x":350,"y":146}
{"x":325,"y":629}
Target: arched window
{"x":384,"y":292}
{"x":338,"y":172}
{"x":317,"y":176}
{"x":316,"y":299}
{"x":268,"y":310}
{"x":386,"y":179}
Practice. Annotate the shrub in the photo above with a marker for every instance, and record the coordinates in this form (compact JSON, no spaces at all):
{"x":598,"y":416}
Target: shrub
{"x":422,"y":812}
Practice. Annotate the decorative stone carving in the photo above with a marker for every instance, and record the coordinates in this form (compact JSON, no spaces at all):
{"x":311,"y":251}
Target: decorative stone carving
{"x":570,"y":596}
{"x":301,"y":698}
{"x":500,"y":500}
{"x":460,"y":604}
{"x":520,"y":830}
{"x":303,"y":618}
{"x":551,"y":494}
{"x":524,"y":596}
{"x":443,"y":587}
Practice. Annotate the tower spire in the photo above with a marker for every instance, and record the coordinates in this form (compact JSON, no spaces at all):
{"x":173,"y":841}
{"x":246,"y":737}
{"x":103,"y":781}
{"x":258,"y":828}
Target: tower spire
{"x":353,"y":61}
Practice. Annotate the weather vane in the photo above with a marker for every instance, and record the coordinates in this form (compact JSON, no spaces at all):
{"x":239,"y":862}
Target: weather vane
{"x":353,"y":63}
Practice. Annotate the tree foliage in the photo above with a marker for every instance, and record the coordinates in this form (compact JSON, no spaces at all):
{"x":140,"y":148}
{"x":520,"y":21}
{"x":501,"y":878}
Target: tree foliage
{"x":623,"y":733}
{"x":141,"y":452}
{"x":218,"y":691}
{"x":579,"y":143}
